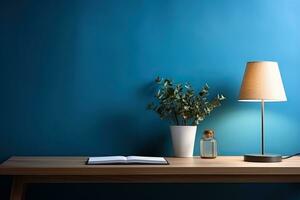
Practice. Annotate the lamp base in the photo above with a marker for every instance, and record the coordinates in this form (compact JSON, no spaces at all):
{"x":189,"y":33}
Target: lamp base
{"x":262,"y":158}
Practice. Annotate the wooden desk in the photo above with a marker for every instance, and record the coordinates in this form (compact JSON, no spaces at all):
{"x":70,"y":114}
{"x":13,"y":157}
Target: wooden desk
{"x":181,"y":170}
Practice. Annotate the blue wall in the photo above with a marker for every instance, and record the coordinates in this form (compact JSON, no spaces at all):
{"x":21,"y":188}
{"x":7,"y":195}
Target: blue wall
{"x":76,"y":75}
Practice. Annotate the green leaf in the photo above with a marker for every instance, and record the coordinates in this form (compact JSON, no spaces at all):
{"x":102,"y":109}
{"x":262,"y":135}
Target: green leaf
{"x":179,"y":102}
{"x":158,"y":80}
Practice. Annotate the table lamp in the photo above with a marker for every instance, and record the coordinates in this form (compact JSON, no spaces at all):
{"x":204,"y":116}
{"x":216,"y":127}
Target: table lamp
{"x":262,"y":83}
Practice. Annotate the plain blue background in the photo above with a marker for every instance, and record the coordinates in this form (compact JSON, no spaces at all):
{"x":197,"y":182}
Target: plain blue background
{"x":76,"y":77}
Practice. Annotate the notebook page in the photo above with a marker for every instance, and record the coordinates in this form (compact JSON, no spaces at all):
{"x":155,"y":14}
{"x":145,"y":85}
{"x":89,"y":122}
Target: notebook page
{"x":108,"y":159}
{"x":145,"y":159}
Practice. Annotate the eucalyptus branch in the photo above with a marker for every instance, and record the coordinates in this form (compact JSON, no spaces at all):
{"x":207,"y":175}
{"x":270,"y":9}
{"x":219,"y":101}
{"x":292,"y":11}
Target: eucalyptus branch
{"x":176,"y":118}
{"x":181,"y":104}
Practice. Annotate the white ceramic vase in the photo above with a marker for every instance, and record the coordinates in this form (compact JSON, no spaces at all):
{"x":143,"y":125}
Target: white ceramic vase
{"x":183,"y":139}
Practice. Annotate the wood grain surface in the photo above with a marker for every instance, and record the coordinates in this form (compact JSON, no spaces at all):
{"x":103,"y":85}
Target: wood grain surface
{"x":223,"y":165}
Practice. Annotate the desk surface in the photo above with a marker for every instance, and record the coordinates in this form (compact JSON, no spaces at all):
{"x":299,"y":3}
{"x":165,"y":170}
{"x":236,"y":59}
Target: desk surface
{"x":224,"y":169}
{"x":223,"y":165}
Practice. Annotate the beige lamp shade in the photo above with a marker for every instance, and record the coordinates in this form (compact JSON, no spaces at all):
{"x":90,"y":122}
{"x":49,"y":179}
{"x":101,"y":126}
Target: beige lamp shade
{"x":262,"y":81}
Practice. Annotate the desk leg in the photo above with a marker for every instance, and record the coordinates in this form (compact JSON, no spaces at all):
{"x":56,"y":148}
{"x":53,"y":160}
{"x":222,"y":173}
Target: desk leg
{"x":18,"y":189}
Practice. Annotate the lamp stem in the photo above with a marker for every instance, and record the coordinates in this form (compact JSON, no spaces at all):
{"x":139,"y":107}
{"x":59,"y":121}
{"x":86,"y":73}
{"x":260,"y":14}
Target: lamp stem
{"x":262,"y":127}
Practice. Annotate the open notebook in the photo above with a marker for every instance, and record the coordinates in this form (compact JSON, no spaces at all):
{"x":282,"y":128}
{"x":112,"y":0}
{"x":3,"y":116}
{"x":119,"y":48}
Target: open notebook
{"x":126,"y":160}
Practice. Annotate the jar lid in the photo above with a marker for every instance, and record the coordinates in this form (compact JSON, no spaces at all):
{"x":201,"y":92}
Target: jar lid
{"x":208,"y":133}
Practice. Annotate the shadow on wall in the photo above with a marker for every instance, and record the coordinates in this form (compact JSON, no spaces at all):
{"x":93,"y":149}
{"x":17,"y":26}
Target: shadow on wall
{"x":132,"y":140}
{"x":147,"y":91}
{"x":158,"y":142}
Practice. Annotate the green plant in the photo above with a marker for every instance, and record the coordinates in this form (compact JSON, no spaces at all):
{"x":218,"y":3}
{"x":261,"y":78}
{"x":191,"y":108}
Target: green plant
{"x":180,"y":104}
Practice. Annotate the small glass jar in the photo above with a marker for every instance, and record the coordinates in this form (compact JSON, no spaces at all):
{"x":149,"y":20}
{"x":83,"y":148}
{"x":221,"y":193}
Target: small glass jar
{"x":208,"y":145}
